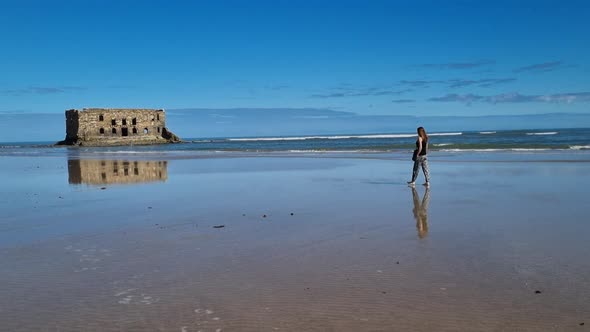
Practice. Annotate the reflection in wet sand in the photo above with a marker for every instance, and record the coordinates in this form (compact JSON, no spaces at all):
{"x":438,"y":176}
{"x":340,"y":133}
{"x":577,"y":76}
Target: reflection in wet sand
{"x":97,"y":172}
{"x":421,"y":211}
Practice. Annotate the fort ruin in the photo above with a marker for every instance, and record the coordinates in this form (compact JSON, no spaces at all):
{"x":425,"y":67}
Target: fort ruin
{"x":116,"y":126}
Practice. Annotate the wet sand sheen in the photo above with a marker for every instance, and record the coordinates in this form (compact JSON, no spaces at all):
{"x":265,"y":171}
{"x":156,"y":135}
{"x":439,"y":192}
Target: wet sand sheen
{"x":357,"y":254}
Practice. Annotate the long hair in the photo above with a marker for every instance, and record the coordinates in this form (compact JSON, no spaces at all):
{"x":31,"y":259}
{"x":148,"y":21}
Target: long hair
{"x":422,"y":134}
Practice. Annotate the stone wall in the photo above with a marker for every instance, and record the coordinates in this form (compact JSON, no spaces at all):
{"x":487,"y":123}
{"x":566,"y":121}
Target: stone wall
{"x":102,"y":126}
{"x":99,"y":172}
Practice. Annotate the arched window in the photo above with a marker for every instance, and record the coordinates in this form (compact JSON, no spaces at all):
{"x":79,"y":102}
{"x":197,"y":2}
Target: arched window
{"x":124,"y":123}
{"x":158,"y":117}
{"x":135,"y":130}
{"x":134,"y":121}
{"x":145,"y":130}
{"x":114,"y":122}
{"x":101,"y":118}
{"x":158,"y":129}
{"x":114,"y":130}
{"x":101,"y":131}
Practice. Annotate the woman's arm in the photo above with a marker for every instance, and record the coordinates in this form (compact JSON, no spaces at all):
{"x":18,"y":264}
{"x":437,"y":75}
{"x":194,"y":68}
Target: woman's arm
{"x":419,"y":145}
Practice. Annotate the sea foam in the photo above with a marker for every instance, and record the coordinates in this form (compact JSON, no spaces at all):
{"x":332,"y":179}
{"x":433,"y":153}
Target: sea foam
{"x":335,"y":137}
{"x":544,"y":133}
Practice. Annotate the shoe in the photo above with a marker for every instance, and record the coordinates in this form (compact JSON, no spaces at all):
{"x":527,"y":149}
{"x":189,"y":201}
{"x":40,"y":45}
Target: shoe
{"x":427,"y":184}
{"x":411,"y":183}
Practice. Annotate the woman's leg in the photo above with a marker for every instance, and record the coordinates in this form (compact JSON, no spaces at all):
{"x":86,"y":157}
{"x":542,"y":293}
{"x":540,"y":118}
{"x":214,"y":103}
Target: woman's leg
{"x":424,"y":163}
{"x":415,"y":170}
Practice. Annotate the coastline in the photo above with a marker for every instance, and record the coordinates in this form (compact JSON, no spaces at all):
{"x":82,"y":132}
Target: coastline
{"x":146,"y":255}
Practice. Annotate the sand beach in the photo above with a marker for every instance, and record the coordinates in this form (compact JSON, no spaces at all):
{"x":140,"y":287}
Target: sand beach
{"x":294,"y":242}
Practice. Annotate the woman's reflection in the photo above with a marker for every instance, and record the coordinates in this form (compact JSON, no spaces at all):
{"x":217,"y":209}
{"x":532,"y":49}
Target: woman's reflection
{"x":421,"y":211}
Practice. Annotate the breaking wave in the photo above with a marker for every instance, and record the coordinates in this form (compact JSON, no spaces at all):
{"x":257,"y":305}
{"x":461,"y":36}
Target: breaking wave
{"x":497,"y":149}
{"x":336,"y":137}
{"x":544,"y":133}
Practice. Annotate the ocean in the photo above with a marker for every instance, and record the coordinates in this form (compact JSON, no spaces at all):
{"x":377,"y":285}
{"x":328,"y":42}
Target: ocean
{"x":566,"y":140}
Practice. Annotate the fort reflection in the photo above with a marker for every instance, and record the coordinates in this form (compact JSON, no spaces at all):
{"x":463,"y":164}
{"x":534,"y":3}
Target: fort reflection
{"x":101,"y":171}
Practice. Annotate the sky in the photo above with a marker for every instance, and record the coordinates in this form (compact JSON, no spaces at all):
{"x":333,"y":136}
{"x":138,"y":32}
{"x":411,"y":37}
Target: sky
{"x":371,"y":58}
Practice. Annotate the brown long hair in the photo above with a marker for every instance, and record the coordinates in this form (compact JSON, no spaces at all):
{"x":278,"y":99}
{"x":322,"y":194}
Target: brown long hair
{"x":422,"y":134}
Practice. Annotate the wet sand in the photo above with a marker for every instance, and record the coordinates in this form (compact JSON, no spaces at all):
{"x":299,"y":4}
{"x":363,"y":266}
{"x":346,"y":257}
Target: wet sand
{"x":307,"y":244}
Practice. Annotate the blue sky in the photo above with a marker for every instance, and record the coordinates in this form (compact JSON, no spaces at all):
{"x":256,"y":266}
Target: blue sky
{"x":424,"y":58}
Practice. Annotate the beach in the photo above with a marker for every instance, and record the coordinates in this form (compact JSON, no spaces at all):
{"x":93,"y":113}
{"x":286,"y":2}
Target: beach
{"x":294,"y":242}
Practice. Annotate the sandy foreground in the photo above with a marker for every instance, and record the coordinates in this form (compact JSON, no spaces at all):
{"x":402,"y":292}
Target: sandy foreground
{"x":293,"y":243}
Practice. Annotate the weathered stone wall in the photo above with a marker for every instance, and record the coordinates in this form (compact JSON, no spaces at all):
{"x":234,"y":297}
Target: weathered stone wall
{"x":72,"y":117}
{"x":120,"y":123}
{"x":115,"y":126}
{"x":99,"y":172}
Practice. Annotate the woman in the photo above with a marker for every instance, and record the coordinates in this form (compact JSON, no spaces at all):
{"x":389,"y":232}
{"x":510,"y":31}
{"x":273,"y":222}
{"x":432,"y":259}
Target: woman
{"x":420,"y":158}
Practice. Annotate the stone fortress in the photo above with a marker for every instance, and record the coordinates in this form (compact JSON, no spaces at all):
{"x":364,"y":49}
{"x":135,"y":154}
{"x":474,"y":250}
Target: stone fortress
{"x":116,"y":126}
{"x":101,"y":172}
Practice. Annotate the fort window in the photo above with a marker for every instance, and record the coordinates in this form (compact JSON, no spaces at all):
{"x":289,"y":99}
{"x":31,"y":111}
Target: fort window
{"x":136,"y":171}
{"x":124,"y":132}
{"x":101,"y":118}
{"x":145,"y":130}
{"x":103,"y":176}
{"x":126,"y":171}
{"x":124,"y":122}
{"x":114,"y":122}
{"x":135,"y":130}
{"x":114,"y":130}
{"x":102,"y":163}
{"x":158,"y":117}
{"x":158,"y":129}
{"x":101,"y":131}
{"x":134,"y":121}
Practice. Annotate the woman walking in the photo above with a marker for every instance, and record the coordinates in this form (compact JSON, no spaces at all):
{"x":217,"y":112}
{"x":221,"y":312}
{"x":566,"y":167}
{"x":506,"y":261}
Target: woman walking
{"x":420,"y":158}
